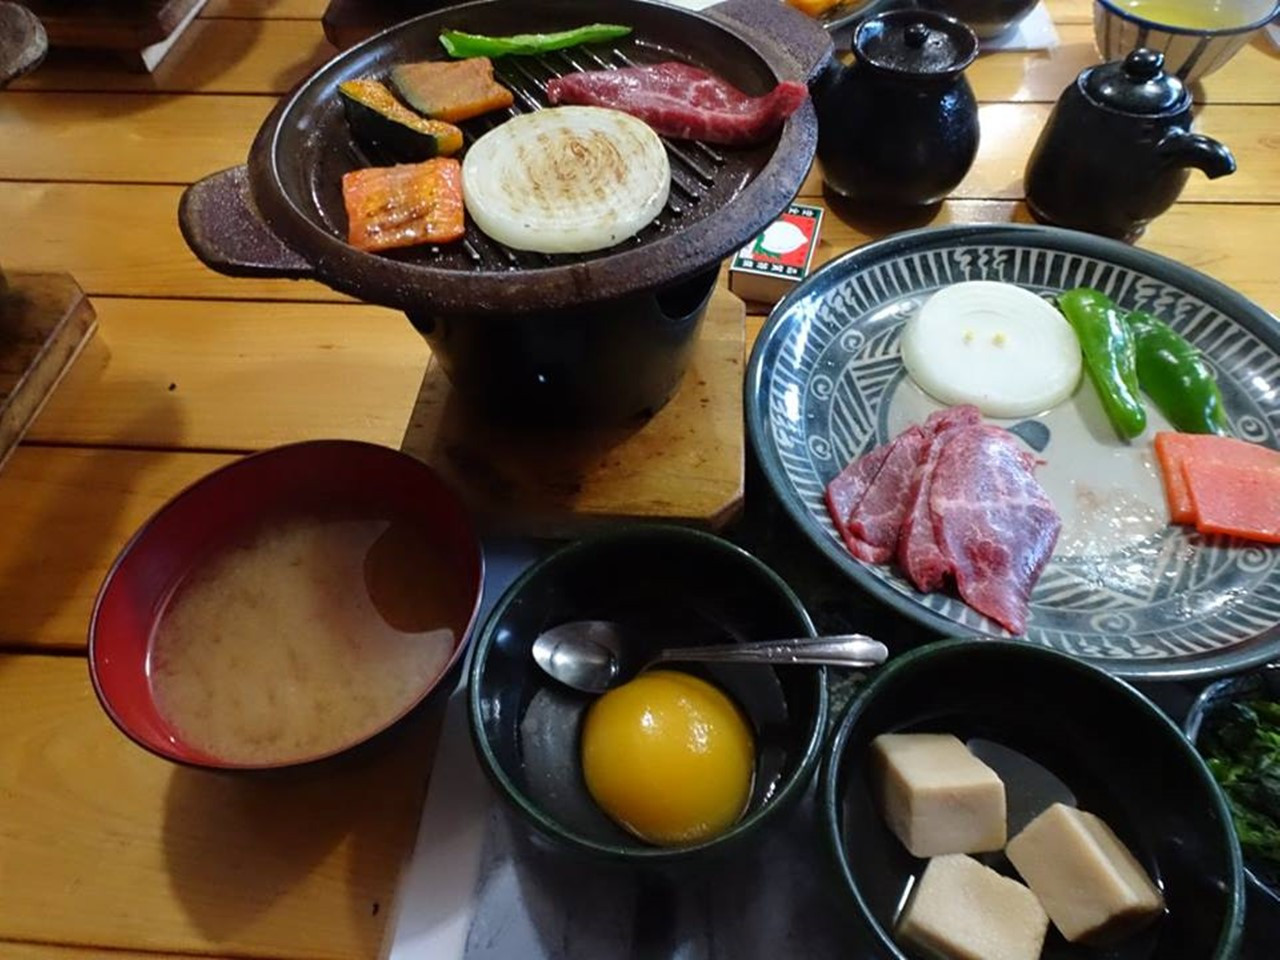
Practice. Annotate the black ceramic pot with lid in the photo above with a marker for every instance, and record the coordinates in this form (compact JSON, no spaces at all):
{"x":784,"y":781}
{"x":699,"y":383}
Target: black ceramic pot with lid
{"x":899,"y":126}
{"x":1117,"y":149}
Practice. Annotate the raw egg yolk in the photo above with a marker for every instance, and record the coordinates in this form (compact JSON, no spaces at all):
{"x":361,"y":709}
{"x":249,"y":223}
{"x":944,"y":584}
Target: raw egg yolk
{"x":669,"y":757}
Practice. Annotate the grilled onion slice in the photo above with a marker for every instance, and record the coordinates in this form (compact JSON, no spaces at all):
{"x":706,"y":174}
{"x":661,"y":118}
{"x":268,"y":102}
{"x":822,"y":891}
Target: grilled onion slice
{"x":566,"y":180}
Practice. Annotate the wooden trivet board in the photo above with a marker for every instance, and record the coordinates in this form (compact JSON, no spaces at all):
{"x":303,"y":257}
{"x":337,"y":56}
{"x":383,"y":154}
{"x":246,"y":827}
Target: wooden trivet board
{"x":684,"y":465}
{"x":45,"y":319}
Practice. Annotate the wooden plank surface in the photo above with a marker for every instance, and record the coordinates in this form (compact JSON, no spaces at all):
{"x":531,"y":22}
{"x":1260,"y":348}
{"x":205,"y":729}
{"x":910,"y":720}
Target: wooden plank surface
{"x":266,"y":9}
{"x":148,"y":257}
{"x":105,"y":851}
{"x":81,"y":137}
{"x":67,"y":514}
{"x":136,"y":138}
{"x":238,"y":375}
{"x":121,"y":240}
{"x":211,"y":56}
{"x":1062,"y":11}
{"x":269,"y":56}
{"x":1009,"y":132}
{"x":173,"y":859}
{"x":17,"y":950}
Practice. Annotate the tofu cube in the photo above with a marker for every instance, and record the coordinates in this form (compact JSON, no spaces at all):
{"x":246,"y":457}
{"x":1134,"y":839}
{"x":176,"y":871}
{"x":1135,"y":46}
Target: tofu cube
{"x":962,"y":910}
{"x":1093,"y":888}
{"x":936,"y":795}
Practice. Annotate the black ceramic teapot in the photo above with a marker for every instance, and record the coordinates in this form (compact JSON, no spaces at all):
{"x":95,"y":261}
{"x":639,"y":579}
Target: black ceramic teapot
{"x":900,"y":126}
{"x":1117,"y":149}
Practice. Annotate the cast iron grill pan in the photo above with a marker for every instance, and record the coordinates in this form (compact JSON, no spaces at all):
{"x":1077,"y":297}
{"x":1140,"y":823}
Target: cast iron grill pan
{"x":703,"y":177}
{"x":720,"y":196}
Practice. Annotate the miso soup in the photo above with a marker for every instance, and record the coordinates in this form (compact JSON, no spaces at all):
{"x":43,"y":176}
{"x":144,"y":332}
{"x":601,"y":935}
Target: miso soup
{"x":305,"y":637}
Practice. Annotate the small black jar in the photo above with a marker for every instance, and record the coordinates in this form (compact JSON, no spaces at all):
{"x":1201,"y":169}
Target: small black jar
{"x":899,"y":126}
{"x":1117,"y":149}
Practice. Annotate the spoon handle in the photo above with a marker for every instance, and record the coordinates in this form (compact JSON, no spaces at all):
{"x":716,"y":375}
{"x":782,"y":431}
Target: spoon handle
{"x":851,"y":650}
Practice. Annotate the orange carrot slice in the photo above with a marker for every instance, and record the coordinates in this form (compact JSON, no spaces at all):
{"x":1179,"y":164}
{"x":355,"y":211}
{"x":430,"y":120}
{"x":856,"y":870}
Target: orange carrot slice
{"x":1175,"y":449}
{"x":404,"y":205}
{"x":1238,"y":499}
{"x":1172,"y":449}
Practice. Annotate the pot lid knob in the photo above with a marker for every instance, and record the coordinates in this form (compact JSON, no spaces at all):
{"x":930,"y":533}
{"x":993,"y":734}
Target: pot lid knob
{"x":915,"y":43}
{"x":1137,"y":84}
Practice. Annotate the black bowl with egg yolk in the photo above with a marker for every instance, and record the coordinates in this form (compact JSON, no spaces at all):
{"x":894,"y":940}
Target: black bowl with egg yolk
{"x":673,"y":585}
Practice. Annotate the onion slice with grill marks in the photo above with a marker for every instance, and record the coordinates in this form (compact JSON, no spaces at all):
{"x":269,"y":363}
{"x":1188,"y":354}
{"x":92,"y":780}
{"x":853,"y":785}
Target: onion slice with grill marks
{"x":566,"y":180}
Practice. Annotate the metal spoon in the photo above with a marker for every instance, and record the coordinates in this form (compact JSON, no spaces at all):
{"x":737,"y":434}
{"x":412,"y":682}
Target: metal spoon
{"x":593,"y":655}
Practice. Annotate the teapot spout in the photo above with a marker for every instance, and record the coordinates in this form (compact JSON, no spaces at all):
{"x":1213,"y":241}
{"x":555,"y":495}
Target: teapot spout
{"x":1184,"y":149}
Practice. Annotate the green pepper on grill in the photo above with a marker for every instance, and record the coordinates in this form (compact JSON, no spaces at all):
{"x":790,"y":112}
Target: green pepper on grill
{"x":1109,"y":357}
{"x":1174,"y":375}
{"x":459,"y":44}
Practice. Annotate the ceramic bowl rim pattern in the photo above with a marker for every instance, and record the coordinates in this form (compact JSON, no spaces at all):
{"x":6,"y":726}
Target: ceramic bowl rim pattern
{"x":1226,"y":300}
{"x":829,"y":780}
{"x":214,"y":476}
{"x":1199,"y":711}
{"x":1142,"y":21}
{"x":790,"y":790}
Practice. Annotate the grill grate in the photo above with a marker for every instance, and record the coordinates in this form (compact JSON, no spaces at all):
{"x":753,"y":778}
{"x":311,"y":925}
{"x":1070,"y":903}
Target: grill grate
{"x":695,"y":167}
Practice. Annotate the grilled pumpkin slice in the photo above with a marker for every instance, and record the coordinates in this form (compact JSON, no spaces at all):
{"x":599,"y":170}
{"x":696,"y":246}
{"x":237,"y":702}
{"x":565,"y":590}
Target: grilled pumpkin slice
{"x":404,"y":205}
{"x":378,"y":119}
{"x":451,"y":90}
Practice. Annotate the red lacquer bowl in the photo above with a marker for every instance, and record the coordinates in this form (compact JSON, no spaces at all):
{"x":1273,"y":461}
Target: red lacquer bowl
{"x":325,"y":476}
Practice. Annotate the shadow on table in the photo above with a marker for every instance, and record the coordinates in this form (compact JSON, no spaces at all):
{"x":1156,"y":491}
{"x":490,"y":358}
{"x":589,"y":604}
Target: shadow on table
{"x":777,"y":898}
{"x":315,"y":852}
{"x":69,"y":526}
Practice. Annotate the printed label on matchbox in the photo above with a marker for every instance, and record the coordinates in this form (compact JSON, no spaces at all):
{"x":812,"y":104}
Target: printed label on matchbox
{"x":785,"y":248}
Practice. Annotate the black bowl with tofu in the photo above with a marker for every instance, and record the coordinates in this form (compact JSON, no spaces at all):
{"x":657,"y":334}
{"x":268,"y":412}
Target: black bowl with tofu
{"x":1082,"y":758}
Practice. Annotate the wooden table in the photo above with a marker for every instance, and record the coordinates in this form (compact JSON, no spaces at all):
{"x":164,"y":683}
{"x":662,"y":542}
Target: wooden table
{"x":103,"y":846}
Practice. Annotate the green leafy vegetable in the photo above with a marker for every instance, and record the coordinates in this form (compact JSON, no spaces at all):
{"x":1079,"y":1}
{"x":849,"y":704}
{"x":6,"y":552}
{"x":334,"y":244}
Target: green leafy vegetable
{"x":459,"y":44}
{"x":1242,"y":749}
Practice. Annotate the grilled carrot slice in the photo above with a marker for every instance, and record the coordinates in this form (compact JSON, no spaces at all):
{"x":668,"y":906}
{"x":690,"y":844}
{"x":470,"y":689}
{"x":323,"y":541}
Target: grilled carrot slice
{"x":451,"y":90}
{"x":404,"y":205}
{"x":1238,"y":499}
{"x":1174,"y":449}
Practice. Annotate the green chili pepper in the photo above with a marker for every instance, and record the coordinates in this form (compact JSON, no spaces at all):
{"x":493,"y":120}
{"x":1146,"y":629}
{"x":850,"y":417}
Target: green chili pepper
{"x":1109,"y":357}
{"x":1175,"y":376}
{"x":460,"y":45}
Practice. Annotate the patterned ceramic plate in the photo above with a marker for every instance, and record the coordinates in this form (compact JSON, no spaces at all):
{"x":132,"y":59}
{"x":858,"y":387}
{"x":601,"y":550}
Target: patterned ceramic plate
{"x":1143,"y":598}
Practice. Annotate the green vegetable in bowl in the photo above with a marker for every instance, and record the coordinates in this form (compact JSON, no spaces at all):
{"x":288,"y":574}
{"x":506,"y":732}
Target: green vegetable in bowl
{"x":1174,"y":375}
{"x":460,"y":45}
{"x":1109,"y":357}
{"x":1242,"y":749}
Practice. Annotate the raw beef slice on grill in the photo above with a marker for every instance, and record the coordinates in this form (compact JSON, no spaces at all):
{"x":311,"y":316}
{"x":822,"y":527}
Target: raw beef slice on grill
{"x":682,"y":101}
{"x":992,"y":522}
{"x":874,"y":523}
